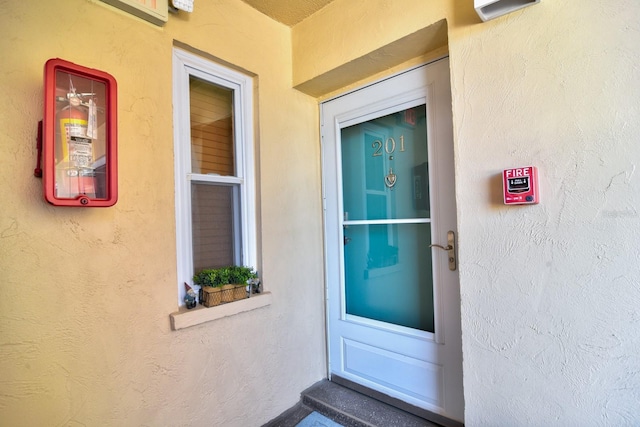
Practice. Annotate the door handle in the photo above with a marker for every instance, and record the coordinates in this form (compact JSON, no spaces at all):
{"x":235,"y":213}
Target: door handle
{"x":451,"y":248}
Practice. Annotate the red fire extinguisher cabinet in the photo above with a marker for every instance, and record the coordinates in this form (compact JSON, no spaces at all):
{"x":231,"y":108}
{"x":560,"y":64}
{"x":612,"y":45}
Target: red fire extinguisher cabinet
{"x":79,"y":136}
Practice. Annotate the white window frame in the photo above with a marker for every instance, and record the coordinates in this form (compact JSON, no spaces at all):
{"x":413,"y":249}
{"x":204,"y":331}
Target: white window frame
{"x":186,"y":64}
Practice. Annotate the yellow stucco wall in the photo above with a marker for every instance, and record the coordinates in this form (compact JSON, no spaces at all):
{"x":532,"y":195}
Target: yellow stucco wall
{"x":549,"y":292}
{"x":85,"y":294}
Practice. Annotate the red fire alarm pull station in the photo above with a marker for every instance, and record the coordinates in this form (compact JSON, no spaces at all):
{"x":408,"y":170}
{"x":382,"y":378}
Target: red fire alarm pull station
{"x":79,"y":136}
{"x":520,"y":186}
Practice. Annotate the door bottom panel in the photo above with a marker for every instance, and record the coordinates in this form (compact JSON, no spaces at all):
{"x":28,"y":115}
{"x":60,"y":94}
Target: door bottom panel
{"x":412,"y":377}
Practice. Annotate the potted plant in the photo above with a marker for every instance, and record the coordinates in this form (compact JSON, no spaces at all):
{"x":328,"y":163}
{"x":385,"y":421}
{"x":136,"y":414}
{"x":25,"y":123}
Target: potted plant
{"x":210,"y":287}
{"x":224,"y":284}
{"x":240,"y":277}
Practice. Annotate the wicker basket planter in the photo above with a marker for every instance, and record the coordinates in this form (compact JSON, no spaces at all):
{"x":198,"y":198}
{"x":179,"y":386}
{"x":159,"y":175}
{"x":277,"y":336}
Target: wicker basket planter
{"x":239,"y":292}
{"x":212,"y":296}
{"x":215,"y":288}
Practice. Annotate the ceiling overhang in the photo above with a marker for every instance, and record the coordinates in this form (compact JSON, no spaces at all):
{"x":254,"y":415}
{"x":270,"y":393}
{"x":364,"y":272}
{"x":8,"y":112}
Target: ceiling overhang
{"x":288,"y":12}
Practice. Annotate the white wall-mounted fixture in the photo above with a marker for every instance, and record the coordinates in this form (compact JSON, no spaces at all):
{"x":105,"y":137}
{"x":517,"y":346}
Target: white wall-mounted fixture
{"x":489,"y":9}
{"x":186,"y":5}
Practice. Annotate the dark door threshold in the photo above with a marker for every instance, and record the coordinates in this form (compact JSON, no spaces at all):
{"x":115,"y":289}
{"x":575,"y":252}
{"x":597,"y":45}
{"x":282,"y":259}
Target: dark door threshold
{"x":352,"y":405}
{"x":432,"y":417}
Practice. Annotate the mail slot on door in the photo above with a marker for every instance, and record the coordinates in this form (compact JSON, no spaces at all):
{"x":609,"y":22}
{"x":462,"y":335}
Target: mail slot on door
{"x":520,"y":186}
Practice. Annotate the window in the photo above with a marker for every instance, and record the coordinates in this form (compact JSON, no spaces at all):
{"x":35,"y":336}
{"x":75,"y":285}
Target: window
{"x":214,"y":167}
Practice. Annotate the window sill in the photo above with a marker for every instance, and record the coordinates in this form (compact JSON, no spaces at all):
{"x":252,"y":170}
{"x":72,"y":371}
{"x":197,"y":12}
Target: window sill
{"x":184,"y":318}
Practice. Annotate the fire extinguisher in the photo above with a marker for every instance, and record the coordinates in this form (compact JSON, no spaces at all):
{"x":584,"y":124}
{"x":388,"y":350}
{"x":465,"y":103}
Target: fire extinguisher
{"x":76,"y":173}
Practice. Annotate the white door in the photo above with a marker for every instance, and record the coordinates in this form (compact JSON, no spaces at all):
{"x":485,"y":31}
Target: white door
{"x":394,"y":301}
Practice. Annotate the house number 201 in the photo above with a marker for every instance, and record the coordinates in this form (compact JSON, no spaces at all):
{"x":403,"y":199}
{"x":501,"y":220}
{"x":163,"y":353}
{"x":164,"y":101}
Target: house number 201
{"x":389,"y":146}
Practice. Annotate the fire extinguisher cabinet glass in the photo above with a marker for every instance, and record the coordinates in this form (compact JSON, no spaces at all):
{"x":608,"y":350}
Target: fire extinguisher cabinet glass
{"x":80,"y":136}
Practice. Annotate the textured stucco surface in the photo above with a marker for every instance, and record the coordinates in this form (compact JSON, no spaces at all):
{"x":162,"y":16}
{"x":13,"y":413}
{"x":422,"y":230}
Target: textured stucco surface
{"x":86,"y":293}
{"x":550,"y":293}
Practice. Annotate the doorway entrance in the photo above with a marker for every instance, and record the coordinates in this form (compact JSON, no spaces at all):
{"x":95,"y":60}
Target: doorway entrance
{"x":390,"y":224}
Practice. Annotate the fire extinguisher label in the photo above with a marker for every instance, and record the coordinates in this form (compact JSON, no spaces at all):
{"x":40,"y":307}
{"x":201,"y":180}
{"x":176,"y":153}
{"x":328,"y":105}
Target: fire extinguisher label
{"x":80,"y":153}
{"x":80,"y":150}
{"x":74,"y":127}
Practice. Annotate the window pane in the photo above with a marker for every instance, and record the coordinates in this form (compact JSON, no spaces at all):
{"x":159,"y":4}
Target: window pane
{"x":213,"y":212}
{"x":393,"y":282}
{"x":211,"y":128}
{"x":385,"y":174}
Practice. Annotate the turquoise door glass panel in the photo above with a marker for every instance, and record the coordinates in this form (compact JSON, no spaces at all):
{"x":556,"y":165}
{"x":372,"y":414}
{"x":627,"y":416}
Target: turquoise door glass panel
{"x":387,"y":230}
{"x":388,"y":274}
{"x":385,"y":167}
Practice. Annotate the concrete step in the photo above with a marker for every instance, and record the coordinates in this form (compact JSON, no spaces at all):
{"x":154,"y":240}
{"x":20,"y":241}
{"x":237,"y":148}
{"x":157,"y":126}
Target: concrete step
{"x":353,"y":409}
{"x":352,"y":405}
